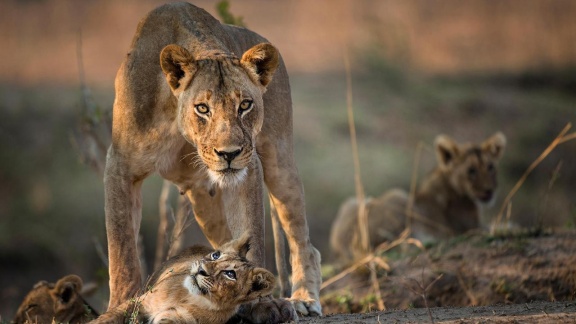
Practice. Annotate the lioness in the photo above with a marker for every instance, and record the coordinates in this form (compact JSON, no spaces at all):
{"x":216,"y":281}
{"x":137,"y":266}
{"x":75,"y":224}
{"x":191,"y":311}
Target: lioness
{"x":208,"y":107}
{"x":447,"y":203}
{"x":55,"y":303}
{"x":200,"y":285}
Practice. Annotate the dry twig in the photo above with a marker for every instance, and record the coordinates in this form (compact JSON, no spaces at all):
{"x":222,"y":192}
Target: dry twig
{"x":561,"y":138}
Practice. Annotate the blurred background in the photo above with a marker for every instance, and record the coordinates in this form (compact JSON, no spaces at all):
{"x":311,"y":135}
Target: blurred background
{"x":419,"y":68}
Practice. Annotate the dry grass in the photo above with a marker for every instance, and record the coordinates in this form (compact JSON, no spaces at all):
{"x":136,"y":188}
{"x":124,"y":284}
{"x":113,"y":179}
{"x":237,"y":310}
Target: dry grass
{"x":562,"y":137}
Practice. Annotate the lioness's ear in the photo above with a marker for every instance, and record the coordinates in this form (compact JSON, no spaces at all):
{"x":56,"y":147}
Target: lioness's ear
{"x":446,"y":150}
{"x":178,"y":66}
{"x":495,"y":145}
{"x":66,"y":291}
{"x":262,"y":284}
{"x":261,"y":62}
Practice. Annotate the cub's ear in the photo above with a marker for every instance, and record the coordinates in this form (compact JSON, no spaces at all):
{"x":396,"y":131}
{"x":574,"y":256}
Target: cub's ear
{"x":446,"y":150}
{"x":66,"y":292}
{"x":495,"y":145}
{"x":261,"y":62}
{"x":178,"y":65}
{"x":240,"y":245}
{"x":262,"y":283}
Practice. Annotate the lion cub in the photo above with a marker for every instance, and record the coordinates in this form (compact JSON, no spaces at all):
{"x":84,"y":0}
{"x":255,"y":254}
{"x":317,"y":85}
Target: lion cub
{"x":59,"y":303}
{"x":447,"y":203}
{"x":199,"y":285}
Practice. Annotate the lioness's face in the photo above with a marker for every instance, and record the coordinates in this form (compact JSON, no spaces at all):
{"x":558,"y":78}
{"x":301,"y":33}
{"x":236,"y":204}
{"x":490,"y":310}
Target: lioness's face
{"x":221,"y":113}
{"x":471,"y":169}
{"x":220,"y":106}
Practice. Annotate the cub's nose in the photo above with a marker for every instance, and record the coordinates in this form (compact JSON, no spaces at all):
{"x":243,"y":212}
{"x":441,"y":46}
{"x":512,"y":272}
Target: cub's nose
{"x":202,"y":272}
{"x":228,"y":154}
{"x":487,"y":195}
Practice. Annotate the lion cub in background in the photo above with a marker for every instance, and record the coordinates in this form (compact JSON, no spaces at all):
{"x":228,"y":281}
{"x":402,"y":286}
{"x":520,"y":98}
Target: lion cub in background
{"x":447,"y":203}
{"x":199,"y":285}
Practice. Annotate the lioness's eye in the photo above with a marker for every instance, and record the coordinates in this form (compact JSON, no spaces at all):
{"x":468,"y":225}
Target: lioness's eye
{"x":245,"y":105}
{"x":202,"y":109}
{"x":215,"y":255}
{"x":231,"y":274}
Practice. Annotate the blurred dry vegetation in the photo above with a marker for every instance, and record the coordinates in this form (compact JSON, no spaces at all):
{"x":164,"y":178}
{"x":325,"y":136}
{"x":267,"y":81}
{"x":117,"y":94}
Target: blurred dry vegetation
{"x":419,"y":68}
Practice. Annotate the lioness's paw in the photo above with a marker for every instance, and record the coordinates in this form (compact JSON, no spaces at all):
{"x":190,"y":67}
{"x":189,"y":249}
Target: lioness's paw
{"x":267,"y":310}
{"x":309,"y":307}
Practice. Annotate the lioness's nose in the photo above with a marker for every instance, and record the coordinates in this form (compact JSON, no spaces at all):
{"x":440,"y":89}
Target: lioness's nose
{"x":229,"y":154}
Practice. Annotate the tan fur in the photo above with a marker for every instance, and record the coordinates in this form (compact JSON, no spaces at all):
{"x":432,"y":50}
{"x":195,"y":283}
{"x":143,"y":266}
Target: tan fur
{"x":196,"y":286}
{"x":55,"y":303}
{"x":208,"y":107}
{"x":447,"y":203}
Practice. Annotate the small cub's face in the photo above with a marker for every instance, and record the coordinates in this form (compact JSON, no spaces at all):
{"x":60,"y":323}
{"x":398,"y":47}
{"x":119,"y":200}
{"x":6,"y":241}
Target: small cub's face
{"x":471,"y":168}
{"x":225,"y":278}
{"x":60,"y":302}
{"x":228,"y":279}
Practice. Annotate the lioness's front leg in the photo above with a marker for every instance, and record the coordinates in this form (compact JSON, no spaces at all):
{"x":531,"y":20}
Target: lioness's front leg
{"x":123,"y":208}
{"x":206,"y":199}
{"x":244,"y":210}
{"x":287,"y":195}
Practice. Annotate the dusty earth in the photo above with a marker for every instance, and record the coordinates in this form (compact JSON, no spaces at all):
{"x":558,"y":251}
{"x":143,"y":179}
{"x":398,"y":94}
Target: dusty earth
{"x":528,"y":276}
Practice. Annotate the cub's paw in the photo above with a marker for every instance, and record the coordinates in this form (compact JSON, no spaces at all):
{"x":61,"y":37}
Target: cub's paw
{"x":308,"y":307}
{"x":267,"y":310}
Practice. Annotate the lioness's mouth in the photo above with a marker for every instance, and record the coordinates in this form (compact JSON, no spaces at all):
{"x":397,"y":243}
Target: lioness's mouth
{"x":229,"y":171}
{"x":228,"y":177}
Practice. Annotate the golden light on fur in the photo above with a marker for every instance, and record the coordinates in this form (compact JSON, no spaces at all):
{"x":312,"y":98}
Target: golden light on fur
{"x":190,"y":105}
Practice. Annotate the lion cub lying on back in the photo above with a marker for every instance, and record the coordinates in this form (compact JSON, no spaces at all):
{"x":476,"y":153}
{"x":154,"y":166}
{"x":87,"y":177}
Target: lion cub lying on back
{"x":447,"y":203}
{"x":200,"y":285}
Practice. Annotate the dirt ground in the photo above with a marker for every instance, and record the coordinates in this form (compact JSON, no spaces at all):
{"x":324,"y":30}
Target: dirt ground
{"x":536,"y":312}
{"x":522,"y":277}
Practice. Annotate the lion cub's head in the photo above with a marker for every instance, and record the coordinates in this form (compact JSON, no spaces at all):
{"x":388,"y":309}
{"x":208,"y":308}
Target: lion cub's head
{"x":220,"y":106}
{"x":471,"y":168}
{"x":225,"y":277}
{"x":205,"y":286}
{"x":60,"y":302}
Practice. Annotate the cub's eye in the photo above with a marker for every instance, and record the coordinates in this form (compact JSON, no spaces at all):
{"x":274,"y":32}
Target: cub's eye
{"x":230,"y":274}
{"x":215,"y":255}
{"x":472,"y":172}
{"x":244,"y":106}
{"x":202,"y":109}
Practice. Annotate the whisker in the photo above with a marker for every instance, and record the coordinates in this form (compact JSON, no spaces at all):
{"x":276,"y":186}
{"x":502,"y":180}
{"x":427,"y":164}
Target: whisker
{"x":186,"y":155}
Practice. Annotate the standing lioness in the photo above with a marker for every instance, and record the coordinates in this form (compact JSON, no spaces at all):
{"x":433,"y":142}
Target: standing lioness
{"x":447,"y":203}
{"x":190,"y":105}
